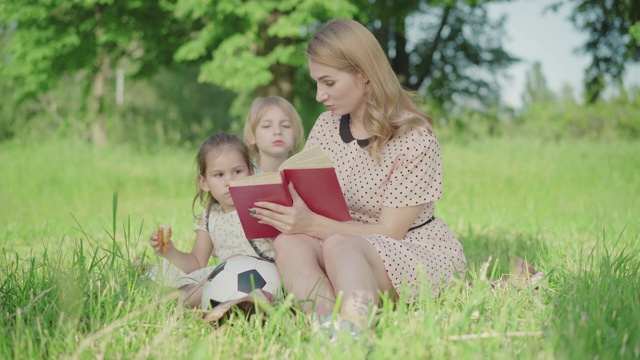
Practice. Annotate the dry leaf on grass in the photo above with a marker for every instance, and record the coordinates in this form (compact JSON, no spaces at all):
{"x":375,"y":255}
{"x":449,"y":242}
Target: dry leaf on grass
{"x":522,"y":274}
{"x":263,"y":300}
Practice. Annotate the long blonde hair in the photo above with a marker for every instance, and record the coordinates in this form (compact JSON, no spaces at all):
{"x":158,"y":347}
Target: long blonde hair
{"x":258,"y":108}
{"x":346,"y":45}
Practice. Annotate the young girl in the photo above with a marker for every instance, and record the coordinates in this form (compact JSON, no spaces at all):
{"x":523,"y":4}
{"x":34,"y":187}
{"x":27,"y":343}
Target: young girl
{"x":273,"y":131}
{"x":221,"y":158}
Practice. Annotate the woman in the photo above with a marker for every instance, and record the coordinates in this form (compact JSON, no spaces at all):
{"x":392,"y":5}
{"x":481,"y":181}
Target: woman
{"x":388,"y":163}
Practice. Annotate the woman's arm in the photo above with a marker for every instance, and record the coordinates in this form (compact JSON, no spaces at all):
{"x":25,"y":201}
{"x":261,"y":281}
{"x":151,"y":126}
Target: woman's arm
{"x":298,"y":219}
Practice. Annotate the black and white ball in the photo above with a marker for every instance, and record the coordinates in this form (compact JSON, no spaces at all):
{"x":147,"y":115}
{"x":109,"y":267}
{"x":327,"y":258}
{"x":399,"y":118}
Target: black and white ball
{"x":237,"y":277}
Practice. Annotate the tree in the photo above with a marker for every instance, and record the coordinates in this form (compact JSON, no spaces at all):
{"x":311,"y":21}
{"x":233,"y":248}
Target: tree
{"x":58,"y":37}
{"x":253,"y":46}
{"x":635,"y":32}
{"x":536,"y":89}
{"x":449,"y":50}
{"x":610,"y":43}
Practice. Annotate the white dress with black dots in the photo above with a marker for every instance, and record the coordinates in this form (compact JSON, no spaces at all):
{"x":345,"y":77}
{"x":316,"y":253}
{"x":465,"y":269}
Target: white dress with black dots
{"x":409,"y":173}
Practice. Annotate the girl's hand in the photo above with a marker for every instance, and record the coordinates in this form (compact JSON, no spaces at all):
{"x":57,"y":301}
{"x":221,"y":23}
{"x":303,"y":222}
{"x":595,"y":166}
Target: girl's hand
{"x":295,"y":219}
{"x":156,"y":245}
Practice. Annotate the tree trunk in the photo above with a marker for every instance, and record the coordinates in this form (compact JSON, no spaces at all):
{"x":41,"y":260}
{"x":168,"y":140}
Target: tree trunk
{"x":400,"y":62}
{"x":99,"y":128}
{"x":283,"y":82}
{"x":425,"y":69}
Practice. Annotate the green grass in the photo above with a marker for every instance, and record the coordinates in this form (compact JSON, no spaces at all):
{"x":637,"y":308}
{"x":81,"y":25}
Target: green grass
{"x":67,"y":289}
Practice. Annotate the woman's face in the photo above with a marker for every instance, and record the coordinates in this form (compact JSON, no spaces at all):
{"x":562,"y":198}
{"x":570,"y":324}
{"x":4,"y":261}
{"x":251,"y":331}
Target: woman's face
{"x":341,"y":92}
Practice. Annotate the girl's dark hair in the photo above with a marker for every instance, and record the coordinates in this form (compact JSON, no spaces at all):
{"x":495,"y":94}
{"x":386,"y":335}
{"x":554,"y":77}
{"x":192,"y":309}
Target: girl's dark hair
{"x":214,"y":146}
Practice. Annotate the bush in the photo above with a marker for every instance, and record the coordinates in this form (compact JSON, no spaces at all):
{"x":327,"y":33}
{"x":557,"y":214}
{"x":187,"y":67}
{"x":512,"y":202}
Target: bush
{"x":616,"y":118}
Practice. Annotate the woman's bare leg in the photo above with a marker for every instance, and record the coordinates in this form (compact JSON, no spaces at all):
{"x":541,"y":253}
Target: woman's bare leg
{"x":300,"y":261}
{"x":355,"y":268}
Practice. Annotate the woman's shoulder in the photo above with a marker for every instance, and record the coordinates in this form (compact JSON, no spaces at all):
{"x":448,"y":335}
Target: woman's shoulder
{"x":328,"y":117}
{"x":417,"y":135}
{"x":326,"y":125}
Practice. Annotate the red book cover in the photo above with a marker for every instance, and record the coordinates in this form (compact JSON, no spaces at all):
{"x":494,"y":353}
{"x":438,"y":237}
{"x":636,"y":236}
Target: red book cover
{"x":320,"y":190}
{"x":314,"y":179}
{"x":244,"y":196}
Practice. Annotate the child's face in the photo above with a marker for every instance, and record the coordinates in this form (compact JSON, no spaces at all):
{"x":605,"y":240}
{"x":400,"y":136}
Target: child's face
{"x":274,"y":134}
{"x":222,"y":168}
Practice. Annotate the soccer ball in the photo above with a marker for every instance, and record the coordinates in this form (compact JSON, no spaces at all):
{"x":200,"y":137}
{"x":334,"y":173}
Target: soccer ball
{"x":237,"y":277}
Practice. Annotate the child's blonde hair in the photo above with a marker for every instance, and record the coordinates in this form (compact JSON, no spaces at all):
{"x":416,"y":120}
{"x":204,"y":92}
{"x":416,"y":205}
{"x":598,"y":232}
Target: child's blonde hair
{"x":258,"y":108}
{"x":217,"y":143}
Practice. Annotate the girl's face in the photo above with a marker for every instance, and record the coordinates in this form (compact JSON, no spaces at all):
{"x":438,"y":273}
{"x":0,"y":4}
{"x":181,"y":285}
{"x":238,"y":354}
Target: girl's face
{"x":341,"y":92}
{"x":274,"y":134}
{"x":223,"y":167}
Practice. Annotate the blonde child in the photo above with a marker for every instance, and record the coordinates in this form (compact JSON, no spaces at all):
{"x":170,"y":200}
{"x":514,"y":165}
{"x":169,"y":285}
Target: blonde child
{"x":221,"y":158}
{"x":273,"y":131}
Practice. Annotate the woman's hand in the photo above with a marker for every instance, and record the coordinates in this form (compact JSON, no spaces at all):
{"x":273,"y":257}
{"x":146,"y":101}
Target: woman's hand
{"x":295,"y":219}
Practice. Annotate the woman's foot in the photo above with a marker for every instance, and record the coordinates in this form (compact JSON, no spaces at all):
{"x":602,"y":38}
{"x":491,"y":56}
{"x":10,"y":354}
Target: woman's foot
{"x":332,"y":327}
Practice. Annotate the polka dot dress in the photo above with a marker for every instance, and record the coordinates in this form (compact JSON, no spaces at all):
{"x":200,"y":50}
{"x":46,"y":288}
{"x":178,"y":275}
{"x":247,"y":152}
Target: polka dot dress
{"x":409,"y":173}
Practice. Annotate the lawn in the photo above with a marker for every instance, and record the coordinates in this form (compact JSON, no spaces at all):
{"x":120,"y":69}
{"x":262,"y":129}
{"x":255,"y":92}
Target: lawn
{"x":73,"y":218}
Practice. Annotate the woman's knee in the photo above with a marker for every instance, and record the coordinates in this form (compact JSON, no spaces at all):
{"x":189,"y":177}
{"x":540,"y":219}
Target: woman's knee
{"x":283,"y":243}
{"x":295,"y":247}
{"x":337,"y":246}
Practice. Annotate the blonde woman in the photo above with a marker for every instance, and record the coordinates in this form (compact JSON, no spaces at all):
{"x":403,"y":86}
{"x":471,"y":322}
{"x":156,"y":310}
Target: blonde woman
{"x":388,"y":162}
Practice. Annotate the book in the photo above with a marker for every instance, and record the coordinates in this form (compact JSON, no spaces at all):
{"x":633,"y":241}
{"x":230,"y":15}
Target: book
{"x":313,"y":177}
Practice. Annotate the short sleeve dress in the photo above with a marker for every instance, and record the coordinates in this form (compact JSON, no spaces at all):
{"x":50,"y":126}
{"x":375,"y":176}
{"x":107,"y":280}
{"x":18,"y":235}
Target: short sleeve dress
{"x":409,"y":173}
{"x":228,"y":239}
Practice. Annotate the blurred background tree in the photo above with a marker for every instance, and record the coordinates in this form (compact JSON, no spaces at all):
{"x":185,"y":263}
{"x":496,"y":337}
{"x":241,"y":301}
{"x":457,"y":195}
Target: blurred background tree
{"x":611,"y":43}
{"x":450,"y":51}
{"x":170,"y":72}
{"x":536,"y":89}
{"x":254,"y":47}
{"x":52,"y":39}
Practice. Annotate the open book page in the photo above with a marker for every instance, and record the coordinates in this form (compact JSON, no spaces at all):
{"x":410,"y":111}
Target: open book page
{"x":264,"y":178}
{"x":309,"y":158}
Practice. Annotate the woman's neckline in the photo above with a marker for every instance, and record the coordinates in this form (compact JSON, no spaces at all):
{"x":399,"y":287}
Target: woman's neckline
{"x":345,"y":132}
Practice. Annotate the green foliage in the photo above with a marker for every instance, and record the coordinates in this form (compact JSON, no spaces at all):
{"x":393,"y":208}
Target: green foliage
{"x":172,"y":108}
{"x":57,"y":38}
{"x":610,"y":43}
{"x":635,"y":32}
{"x":615,"y":118}
{"x":261,"y":43}
{"x":59,"y":58}
{"x":54,"y":39}
{"x":240,"y":42}
{"x":455,"y":57}
{"x":247,"y":48}
{"x":548,"y":116}
{"x":536,"y":89}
